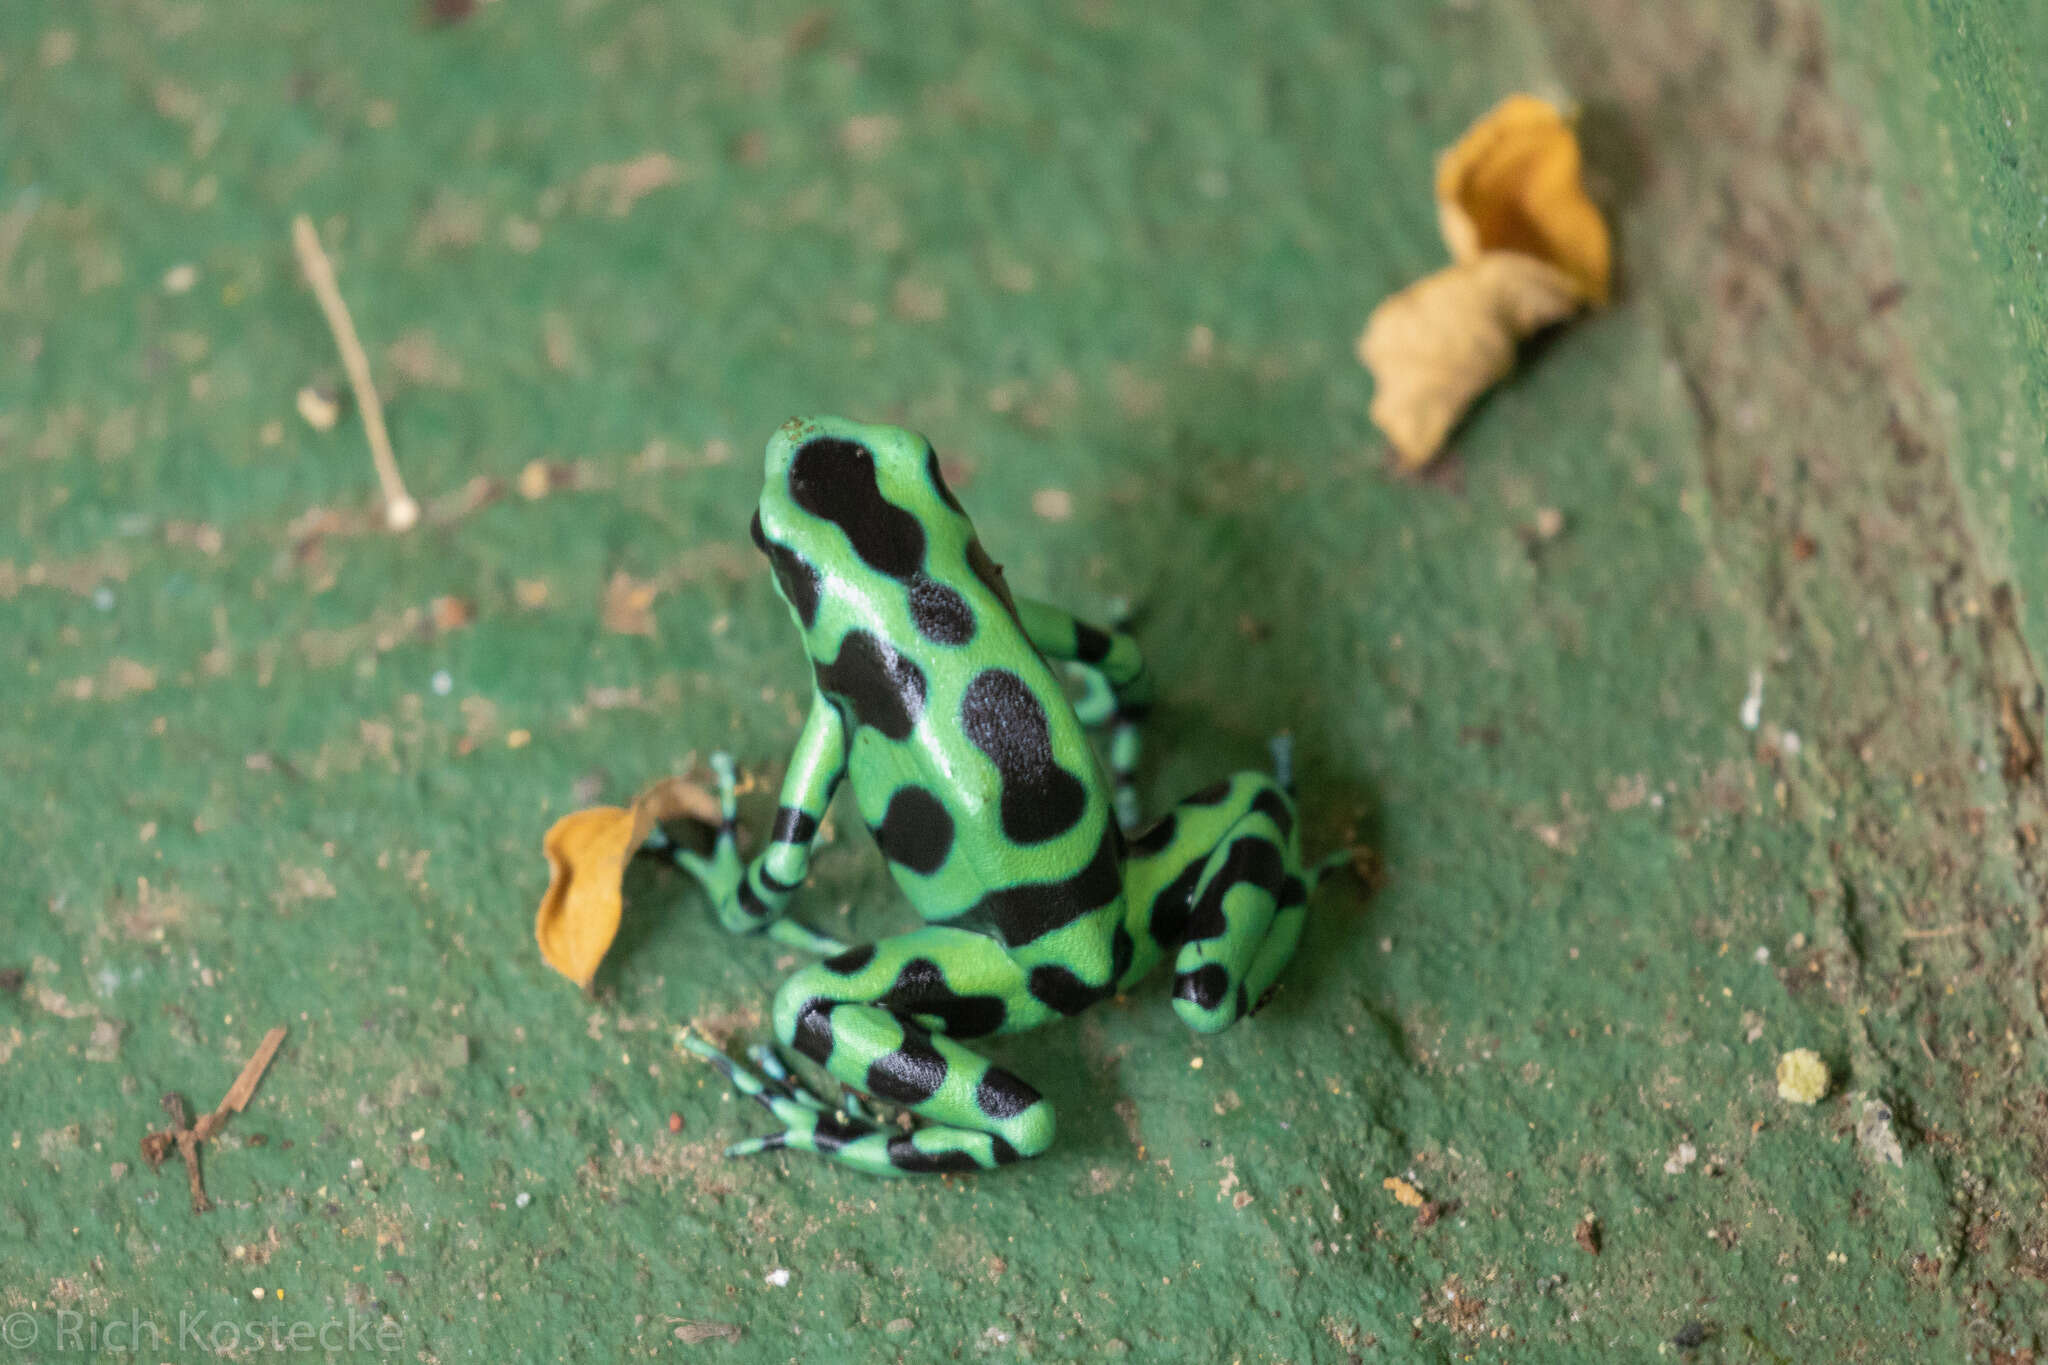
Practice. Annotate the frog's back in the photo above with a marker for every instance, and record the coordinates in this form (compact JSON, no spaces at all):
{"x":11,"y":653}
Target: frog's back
{"x":965,"y":757}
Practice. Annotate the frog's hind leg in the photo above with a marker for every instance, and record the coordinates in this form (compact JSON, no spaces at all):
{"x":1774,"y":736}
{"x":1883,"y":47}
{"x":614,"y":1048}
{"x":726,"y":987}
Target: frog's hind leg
{"x":887,"y":1018}
{"x":1218,"y":882}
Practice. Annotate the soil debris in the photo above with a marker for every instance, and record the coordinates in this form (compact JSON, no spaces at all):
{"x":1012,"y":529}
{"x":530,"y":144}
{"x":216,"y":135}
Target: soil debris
{"x":1802,"y":1076}
{"x":186,"y":1137}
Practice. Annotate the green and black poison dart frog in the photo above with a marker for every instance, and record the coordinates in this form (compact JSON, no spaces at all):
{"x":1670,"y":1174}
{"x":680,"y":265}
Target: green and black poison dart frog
{"x":936,"y":694}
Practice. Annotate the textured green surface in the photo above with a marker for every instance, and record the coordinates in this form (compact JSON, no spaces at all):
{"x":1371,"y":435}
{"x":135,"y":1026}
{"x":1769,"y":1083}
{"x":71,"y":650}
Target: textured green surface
{"x":1089,"y":248}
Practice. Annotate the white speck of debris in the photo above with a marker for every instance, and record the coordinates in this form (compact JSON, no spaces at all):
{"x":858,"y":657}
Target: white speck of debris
{"x":1053,"y":504}
{"x":1752,"y":713}
{"x":1788,"y":743}
{"x":179,"y":279}
{"x":1682,"y":1156}
{"x":1763,"y":954}
{"x":523,"y":1199}
{"x":103,"y":598}
{"x":108,"y":981}
{"x":441,"y":682}
{"x":778,"y":1276}
{"x":418,"y":1133}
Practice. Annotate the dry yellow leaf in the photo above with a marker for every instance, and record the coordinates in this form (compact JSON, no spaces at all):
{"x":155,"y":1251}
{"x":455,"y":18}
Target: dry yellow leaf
{"x":1528,"y":249}
{"x":1438,"y":344}
{"x":1403,"y":1192}
{"x":587,"y":853}
{"x":1512,"y":183}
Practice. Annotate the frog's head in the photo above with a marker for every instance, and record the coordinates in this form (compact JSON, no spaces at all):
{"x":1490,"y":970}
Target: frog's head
{"x":841,"y":498}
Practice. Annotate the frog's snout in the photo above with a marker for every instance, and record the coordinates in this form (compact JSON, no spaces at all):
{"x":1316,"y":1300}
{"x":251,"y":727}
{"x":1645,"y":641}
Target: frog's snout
{"x":783,"y":445}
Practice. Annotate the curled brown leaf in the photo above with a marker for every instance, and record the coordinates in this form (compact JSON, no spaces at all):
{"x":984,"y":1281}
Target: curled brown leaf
{"x":587,"y":853}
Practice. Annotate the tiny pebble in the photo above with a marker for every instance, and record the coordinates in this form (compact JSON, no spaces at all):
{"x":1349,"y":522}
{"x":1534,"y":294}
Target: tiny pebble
{"x":103,"y":598}
{"x":524,"y":1199}
{"x":442,"y":683}
{"x":318,"y":408}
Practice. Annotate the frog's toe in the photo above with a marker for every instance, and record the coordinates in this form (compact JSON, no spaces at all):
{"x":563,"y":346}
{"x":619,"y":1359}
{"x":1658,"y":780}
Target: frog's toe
{"x":1281,"y":746}
{"x":778,"y":1077}
{"x":727,"y":773}
{"x":808,"y":1122}
{"x":753,"y":1146}
{"x":743,"y":1080}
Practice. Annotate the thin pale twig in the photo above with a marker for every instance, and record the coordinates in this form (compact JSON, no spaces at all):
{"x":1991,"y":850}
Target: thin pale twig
{"x":401,"y":512}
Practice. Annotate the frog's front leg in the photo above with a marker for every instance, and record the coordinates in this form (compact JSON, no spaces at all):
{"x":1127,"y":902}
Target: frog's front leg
{"x":887,"y":1018}
{"x":749,"y":898}
{"x":1119,"y":688}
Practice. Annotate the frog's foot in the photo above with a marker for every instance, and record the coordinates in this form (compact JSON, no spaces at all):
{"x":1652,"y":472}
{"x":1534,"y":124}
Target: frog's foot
{"x":736,"y":893}
{"x":877,"y":1017}
{"x":720,"y":873}
{"x":809,"y":1124}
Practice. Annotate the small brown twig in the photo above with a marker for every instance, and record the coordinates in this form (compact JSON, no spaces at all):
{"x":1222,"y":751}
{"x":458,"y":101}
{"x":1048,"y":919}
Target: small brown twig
{"x":401,"y":512}
{"x":186,"y":1137}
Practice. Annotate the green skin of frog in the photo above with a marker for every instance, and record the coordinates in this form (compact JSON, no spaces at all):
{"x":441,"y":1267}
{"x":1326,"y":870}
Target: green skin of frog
{"x":938,"y":697}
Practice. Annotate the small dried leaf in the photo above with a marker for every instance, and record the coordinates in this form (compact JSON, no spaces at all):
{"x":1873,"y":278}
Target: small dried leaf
{"x":1512,"y":183}
{"x":1437,"y":345}
{"x":1403,"y":1192}
{"x":587,"y":853}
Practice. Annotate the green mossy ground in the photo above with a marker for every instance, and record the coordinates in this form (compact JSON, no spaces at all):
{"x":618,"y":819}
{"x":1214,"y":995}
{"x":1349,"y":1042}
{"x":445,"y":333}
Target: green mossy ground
{"x":1090,"y":248}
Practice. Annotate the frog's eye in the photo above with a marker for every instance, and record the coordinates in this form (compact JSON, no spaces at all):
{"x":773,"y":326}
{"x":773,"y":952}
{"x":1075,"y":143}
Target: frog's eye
{"x":938,"y":479}
{"x":799,"y":578}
